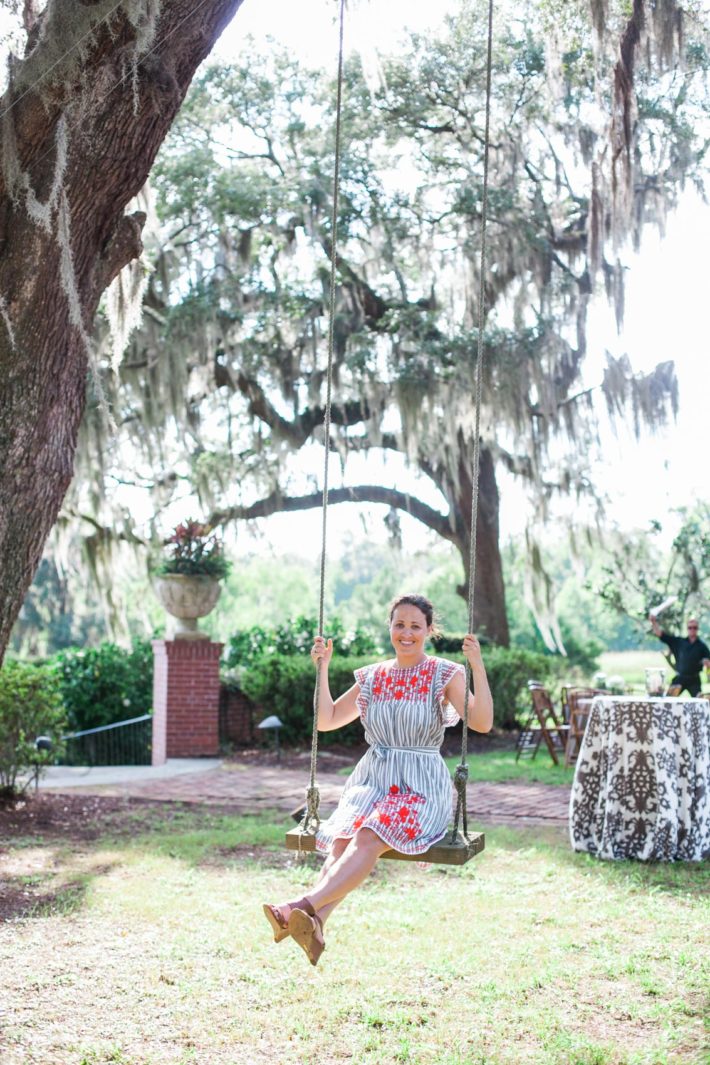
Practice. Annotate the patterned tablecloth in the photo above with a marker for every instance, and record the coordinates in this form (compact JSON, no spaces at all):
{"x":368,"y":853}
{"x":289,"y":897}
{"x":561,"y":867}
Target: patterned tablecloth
{"x":642,"y":782}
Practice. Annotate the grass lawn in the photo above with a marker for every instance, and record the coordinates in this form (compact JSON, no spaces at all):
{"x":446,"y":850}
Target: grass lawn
{"x":137,"y":939}
{"x":500,"y":765}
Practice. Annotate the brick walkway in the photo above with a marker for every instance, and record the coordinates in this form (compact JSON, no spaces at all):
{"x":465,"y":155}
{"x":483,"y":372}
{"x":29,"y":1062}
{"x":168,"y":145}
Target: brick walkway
{"x":255,"y":788}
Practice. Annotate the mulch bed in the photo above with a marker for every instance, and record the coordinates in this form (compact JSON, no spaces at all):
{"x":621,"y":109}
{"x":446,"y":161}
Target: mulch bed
{"x":85,"y":818}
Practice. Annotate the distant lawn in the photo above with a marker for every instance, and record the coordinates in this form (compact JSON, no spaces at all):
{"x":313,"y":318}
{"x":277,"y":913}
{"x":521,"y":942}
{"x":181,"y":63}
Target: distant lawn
{"x":631,"y":665}
{"x":147,"y":946}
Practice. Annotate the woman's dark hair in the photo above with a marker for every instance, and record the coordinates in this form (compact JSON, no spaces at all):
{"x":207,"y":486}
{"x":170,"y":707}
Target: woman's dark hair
{"x":421,"y":603}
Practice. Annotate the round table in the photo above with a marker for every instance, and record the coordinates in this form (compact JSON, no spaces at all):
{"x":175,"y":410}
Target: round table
{"x":642,"y":781}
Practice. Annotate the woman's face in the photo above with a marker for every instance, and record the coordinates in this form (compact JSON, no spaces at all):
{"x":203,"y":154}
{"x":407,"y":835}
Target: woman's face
{"x":408,"y":632}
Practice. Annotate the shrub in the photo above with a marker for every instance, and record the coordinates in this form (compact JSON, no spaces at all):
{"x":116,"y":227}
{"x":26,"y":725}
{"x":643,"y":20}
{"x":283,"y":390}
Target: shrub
{"x":294,"y":637}
{"x":284,"y":686}
{"x":509,"y":669}
{"x":582,"y":653}
{"x":104,"y":684}
{"x":30,"y":706}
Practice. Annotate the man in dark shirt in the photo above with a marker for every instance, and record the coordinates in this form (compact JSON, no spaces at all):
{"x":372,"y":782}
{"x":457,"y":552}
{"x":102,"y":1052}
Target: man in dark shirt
{"x":690,"y":654}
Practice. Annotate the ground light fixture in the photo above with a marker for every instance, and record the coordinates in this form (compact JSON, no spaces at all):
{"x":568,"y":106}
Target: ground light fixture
{"x":42,"y":743}
{"x":275,"y":723}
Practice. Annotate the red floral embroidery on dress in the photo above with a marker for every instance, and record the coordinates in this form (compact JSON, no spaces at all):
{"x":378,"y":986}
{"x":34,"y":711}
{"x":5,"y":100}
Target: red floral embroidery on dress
{"x":391,"y":683}
{"x":395,"y":813}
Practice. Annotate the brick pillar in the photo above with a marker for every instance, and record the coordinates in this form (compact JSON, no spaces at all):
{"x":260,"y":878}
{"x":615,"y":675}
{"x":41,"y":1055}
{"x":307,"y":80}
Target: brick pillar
{"x":185,"y":699}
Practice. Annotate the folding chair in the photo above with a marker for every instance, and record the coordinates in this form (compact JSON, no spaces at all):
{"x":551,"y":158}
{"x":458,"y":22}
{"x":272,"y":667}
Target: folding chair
{"x":541,"y":724}
{"x":674,"y":689}
{"x":579,"y":701}
{"x":530,"y":735}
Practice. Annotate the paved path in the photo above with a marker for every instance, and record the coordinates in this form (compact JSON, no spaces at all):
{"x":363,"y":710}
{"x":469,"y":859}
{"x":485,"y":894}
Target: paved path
{"x":259,"y":787}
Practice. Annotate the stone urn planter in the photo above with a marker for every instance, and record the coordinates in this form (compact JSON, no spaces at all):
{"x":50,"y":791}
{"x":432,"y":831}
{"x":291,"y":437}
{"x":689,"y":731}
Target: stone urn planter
{"x":187,"y":598}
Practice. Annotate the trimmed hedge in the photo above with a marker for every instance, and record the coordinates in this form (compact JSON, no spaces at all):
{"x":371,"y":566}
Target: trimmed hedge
{"x":283,"y":685}
{"x":509,"y":669}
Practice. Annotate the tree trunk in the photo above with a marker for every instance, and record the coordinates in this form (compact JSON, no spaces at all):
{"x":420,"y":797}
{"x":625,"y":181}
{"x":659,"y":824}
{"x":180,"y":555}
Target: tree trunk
{"x":55,"y":265}
{"x":489,"y":615}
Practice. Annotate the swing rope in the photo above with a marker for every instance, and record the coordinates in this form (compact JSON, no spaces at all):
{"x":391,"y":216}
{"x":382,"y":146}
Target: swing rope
{"x":311,"y":820}
{"x":461,"y":773}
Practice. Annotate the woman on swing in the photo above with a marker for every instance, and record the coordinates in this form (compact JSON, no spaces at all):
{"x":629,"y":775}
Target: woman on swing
{"x":399,"y":795}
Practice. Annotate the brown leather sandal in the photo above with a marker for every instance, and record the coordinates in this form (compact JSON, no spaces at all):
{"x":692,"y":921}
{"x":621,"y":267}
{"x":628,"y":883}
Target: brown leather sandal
{"x":275,"y":918}
{"x":306,"y":928}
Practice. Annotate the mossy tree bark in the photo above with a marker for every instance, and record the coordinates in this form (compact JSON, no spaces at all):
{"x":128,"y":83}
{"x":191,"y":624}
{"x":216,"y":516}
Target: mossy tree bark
{"x":64,"y":235}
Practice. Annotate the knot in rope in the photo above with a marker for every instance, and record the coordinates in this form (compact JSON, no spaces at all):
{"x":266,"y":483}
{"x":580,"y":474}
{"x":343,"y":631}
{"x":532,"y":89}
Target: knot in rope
{"x":312,"y":804}
{"x":460,"y":779}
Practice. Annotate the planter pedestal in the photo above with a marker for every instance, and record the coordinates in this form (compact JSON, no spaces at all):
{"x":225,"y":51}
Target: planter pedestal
{"x":187,"y":597}
{"x":185,"y":699}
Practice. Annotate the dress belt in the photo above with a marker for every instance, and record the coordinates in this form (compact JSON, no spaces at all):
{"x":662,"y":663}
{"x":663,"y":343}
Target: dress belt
{"x":381,"y":750}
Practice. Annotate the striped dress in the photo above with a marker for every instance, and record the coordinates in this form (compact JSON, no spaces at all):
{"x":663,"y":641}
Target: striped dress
{"x":401,"y":788}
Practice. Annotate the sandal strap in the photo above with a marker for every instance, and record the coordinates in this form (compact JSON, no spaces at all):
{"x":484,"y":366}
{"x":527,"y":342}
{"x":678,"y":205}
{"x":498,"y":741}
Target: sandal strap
{"x":304,"y":904}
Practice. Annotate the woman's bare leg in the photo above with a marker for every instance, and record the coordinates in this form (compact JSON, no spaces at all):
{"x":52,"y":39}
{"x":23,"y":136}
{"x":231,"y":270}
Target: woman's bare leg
{"x":336,"y":851}
{"x":348,"y":871}
{"x":348,"y":864}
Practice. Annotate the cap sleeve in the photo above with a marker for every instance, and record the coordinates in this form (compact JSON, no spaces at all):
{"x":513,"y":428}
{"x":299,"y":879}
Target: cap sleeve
{"x":363,"y":677}
{"x":445,"y":671}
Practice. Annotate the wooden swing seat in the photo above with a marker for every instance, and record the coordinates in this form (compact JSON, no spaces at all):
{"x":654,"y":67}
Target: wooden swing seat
{"x":442,"y":853}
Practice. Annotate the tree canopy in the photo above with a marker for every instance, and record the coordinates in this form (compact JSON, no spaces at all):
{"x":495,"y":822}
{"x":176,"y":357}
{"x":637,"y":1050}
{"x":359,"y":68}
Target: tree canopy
{"x":223,"y":381}
{"x":594,"y":134}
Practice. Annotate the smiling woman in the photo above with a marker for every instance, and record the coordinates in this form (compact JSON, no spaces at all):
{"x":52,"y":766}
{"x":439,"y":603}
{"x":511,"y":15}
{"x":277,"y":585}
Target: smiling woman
{"x":398,"y":799}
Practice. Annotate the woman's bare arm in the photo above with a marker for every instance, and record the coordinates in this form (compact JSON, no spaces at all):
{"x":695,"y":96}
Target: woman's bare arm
{"x":480,"y":705}
{"x":332,"y":713}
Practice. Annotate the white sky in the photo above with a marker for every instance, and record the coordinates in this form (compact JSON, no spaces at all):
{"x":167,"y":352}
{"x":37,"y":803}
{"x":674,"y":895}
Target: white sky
{"x":666,"y":308}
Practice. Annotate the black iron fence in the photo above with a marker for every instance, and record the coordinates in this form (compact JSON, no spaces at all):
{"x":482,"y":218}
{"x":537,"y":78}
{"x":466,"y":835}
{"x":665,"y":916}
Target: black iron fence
{"x":123,"y":743}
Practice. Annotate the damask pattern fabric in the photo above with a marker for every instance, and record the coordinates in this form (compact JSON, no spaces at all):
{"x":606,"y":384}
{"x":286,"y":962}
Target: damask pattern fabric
{"x":642,"y":783}
{"x":401,"y":788}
